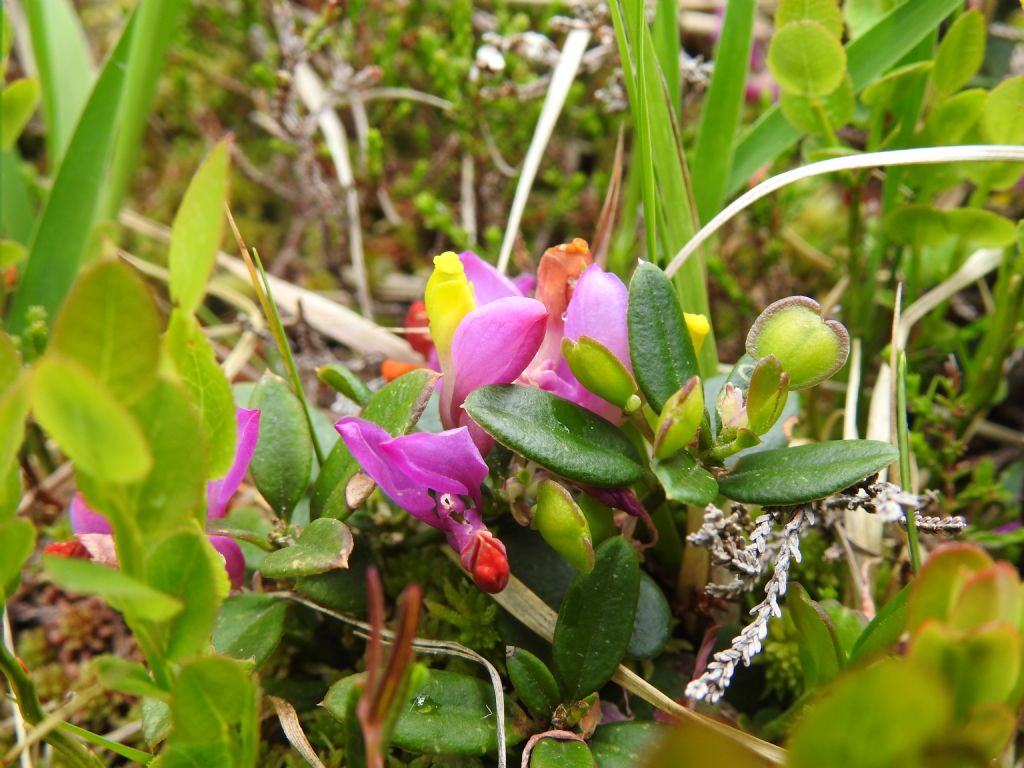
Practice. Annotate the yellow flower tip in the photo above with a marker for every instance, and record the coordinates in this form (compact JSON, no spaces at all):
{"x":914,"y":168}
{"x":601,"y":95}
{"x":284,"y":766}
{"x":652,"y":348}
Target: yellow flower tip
{"x":699,"y":327}
{"x":448,"y":263}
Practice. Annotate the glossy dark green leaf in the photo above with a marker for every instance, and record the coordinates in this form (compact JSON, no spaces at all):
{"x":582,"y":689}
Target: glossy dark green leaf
{"x":343,"y":589}
{"x":449,"y":714}
{"x":194,"y":360}
{"x":805,"y":472}
{"x":625,"y":745}
{"x":557,"y":434}
{"x":652,"y":625}
{"x":820,"y":655}
{"x":109,"y":323}
{"x":324,"y":545}
{"x":533,"y":682}
{"x":660,"y":347}
{"x":885,"y":629}
{"x":685,"y":481}
{"x":339,"y":378}
{"x":123,"y":592}
{"x":185,"y":566}
{"x":397,"y":407}
{"x":249,"y":626}
{"x":283,"y":459}
{"x":88,"y":422}
{"x":595,"y":621}
{"x":555,"y":753}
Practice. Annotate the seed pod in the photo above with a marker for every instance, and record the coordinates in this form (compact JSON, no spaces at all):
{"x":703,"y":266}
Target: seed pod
{"x":766,"y":397}
{"x":597,"y":369}
{"x":809,"y":348}
{"x":563,"y":525}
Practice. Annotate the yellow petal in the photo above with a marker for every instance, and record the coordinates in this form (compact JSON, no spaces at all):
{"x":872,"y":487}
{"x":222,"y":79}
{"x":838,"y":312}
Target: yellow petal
{"x":449,"y":298}
{"x":699,"y":327}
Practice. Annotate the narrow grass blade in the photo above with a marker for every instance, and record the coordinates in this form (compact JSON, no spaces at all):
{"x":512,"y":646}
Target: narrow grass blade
{"x":154,"y":32}
{"x":665,"y":33}
{"x":65,"y":68}
{"x":62,"y":234}
{"x":16,"y":209}
{"x":921,"y":156}
{"x":561,"y":81}
{"x":712,"y":159}
{"x":868,"y":56}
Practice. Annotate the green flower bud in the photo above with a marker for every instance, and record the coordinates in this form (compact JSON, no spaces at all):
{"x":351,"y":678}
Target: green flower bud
{"x":597,"y":369}
{"x":809,"y":348}
{"x":563,"y":525}
{"x":680,"y":419}
{"x":766,"y":396}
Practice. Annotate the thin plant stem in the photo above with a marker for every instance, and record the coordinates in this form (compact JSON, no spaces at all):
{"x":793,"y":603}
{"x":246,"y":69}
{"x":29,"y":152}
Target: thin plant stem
{"x":903,"y":441}
{"x":262,"y":287}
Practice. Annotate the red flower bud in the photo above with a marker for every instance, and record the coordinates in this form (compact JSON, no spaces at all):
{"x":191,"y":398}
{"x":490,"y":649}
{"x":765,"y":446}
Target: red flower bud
{"x":67,"y":549}
{"x":484,"y":557}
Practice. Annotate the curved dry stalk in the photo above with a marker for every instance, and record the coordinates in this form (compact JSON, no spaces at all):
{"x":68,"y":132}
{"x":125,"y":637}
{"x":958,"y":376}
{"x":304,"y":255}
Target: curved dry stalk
{"x":558,"y":89}
{"x":920,"y":156}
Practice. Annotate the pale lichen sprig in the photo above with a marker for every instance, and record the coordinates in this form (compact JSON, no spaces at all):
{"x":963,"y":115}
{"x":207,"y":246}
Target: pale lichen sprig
{"x":713,"y":682}
{"x":892,"y":504}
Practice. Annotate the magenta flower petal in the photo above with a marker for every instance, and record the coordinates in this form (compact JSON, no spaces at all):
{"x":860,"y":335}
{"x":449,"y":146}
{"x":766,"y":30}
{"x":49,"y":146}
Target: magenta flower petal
{"x":488,"y":283}
{"x":364,"y":439}
{"x":85,"y":520}
{"x":219,"y":492}
{"x":598,"y":310}
{"x":524,"y":283}
{"x":494,"y":344}
{"x":234,"y":561}
{"x":448,"y":462}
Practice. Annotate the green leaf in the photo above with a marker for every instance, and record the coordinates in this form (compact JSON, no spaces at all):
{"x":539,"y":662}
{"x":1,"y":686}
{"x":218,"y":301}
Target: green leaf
{"x":10,"y":362}
{"x":17,"y":540}
{"x":940,"y":582}
{"x":554,"y":753}
{"x":918,"y":225}
{"x":193,"y":358}
{"x":12,"y":253}
{"x":250,"y":626}
{"x":652,"y":625}
{"x":805,"y":114}
{"x":557,"y":434}
{"x":197,"y":230}
{"x":154,"y":32}
{"x":723,"y":105}
{"x":684,"y":480}
{"x":343,"y":589}
{"x":215,"y":715}
{"x":981,"y":228}
{"x":660,"y":347}
{"x":595,"y":621}
{"x":124,"y":593}
{"x":825,"y":12}
{"x":562,"y":524}
{"x":885,"y":90}
{"x":339,"y":378}
{"x":96,"y":431}
{"x":17,"y":204}
{"x":10,"y":491}
{"x":449,"y":714}
{"x":186,"y":566}
{"x":396,"y":407}
{"x":806,"y":59}
{"x":324,"y":545}
{"x":868,"y":57}
{"x":175,"y":488}
{"x":950,"y":120}
{"x":885,"y":629}
{"x":876,"y":731}
{"x":14,"y":406}
{"x":110,"y":325}
{"x":625,"y":745}
{"x":960,"y":53}
{"x":61,"y":53}
{"x":283,"y":459}
{"x":1002,"y":121}
{"x":533,"y":682}
{"x":806,"y":472}
{"x":62,"y":234}
{"x":820,"y":654}
{"x":127,"y":677}
{"x":17,"y":103}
